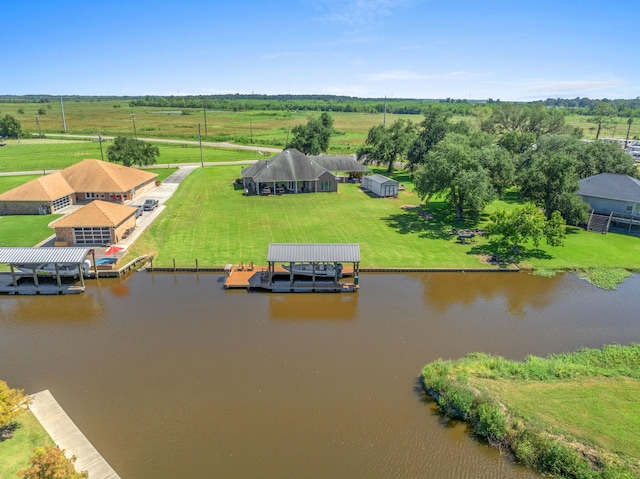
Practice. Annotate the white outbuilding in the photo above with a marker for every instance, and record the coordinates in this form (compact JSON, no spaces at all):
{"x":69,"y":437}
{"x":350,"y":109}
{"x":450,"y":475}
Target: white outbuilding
{"x":380,"y":185}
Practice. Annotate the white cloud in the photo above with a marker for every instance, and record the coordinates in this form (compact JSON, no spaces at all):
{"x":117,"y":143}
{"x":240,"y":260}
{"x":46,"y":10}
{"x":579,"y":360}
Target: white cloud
{"x":407,"y":75}
{"x":358,"y":12}
{"x":563,"y":86}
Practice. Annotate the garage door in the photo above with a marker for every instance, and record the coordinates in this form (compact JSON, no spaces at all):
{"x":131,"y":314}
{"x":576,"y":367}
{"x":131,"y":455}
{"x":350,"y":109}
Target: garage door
{"x":61,"y":203}
{"x":92,"y":235}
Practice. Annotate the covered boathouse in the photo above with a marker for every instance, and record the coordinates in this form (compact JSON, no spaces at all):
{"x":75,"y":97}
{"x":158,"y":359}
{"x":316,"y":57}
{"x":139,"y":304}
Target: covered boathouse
{"x":308,"y":267}
{"x":42,"y":270}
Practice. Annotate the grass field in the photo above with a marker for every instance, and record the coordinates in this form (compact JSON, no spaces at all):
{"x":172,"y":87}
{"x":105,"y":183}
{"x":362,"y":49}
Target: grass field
{"x":209,"y":220}
{"x":16,"y":452}
{"x":266,"y":128}
{"x":47,"y":155}
{"x":571,"y":415}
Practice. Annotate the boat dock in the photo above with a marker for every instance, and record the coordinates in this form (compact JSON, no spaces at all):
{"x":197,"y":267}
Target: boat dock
{"x":300,"y":268}
{"x":44,"y":287}
{"x":252,"y":277}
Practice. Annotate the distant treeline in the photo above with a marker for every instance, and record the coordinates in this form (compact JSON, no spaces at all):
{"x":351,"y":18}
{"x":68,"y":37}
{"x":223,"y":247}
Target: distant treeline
{"x":331,"y":103}
{"x":324,"y":103}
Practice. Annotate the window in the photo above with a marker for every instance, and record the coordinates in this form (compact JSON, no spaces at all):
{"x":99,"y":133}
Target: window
{"x":325,"y":186}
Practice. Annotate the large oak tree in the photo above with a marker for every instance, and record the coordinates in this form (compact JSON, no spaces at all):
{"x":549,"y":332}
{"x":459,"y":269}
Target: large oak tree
{"x":131,"y":151}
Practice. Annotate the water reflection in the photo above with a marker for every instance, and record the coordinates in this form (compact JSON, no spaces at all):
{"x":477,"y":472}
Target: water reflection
{"x":519,"y":291}
{"x":309,"y":306}
{"x":81,"y":308}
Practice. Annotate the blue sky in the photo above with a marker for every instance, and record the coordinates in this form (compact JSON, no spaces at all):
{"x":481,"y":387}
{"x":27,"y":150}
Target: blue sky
{"x":463,"y":49}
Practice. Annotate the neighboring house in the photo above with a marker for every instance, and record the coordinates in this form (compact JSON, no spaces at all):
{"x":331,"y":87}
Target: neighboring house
{"x":380,"y":185}
{"x":614,"y":199}
{"x":98,"y":223}
{"x":78,"y":184}
{"x":294,"y":172}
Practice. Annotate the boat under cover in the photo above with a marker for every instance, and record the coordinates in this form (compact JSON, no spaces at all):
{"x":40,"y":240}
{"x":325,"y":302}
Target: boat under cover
{"x":328,"y":270}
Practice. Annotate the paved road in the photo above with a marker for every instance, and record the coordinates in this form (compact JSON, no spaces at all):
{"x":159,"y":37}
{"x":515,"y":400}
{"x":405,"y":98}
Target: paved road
{"x":213,"y":144}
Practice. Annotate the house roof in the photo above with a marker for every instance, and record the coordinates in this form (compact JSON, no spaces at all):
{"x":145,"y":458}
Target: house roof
{"x":96,"y":214}
{"x":102,"y":176}
{"x":290,"y":165}
{"x":379,"y":179}
{"x":338,"y":163}
{"x":42,"y":255}
{"x":45,"y":188}
{"x":318,"y":252}
{"x":611,"y":186}
{"x":86,"y":176}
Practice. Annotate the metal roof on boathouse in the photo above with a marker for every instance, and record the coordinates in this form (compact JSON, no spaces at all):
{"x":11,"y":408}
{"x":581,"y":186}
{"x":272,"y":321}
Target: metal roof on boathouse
{"x":42,"y":255}
{"x":314,"y":253}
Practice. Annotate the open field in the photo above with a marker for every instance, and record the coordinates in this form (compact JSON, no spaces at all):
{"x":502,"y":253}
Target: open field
{"x":569,"y":415}
{"x":17,"y":451}
{"x":265,"y":128}
{"x":47,"y":155}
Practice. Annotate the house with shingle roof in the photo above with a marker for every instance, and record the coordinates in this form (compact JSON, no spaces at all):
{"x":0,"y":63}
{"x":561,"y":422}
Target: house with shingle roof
{"x":98,"y":223}
{"x":78,"y":184}
{"x":614,"y":200}
{"x":611,"y":192}
{"x":294,"y":172}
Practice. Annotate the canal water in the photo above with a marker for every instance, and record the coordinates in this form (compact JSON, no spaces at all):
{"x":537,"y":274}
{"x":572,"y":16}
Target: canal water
{"x":171,"y":376}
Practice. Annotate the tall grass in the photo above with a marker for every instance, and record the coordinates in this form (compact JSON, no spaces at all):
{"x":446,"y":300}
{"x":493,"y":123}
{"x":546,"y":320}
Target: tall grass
{"x":570,"y":415}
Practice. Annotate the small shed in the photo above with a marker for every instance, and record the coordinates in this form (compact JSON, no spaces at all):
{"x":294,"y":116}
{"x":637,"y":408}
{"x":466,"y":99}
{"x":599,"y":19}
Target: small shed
{"x":380,"y":185}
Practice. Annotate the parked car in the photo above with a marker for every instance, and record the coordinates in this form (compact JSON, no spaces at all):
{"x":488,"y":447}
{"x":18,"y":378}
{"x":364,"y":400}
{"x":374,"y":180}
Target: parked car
{"x":150,"y":204}
{"x":139,"y":210}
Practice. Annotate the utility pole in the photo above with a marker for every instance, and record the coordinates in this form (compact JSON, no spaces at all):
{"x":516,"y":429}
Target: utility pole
{"x":38,"y":124}
{"x":204,"y":111}
{"x":384,"y":118}
{"x":64,"y":122}
{"x":200,"y":138}
{"x":250,"y":132}
{"x":101,"y":152}
{"x":133,"y":119}
{"x":626,"y":140}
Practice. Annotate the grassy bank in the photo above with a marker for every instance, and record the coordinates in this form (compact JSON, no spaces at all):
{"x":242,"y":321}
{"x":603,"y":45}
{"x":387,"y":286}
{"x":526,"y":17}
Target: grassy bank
{"x":16,"y":451}
{"x":572,"y":415}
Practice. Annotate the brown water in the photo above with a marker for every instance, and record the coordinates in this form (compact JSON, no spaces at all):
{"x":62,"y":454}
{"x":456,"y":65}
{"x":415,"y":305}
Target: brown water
{"x":171,"y":376}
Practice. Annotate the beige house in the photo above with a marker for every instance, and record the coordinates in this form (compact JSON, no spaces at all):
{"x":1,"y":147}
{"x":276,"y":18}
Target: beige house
{"x":98,"y":223}
{"x":78,"y":184}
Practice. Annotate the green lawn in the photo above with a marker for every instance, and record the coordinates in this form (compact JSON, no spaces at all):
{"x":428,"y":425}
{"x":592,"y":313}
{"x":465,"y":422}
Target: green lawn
{"x":578,"y":408}
{"x":47,"y":155}
{"x":25,"y":230}
{"x":16,"y":452}
{"x":210,"y":220}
